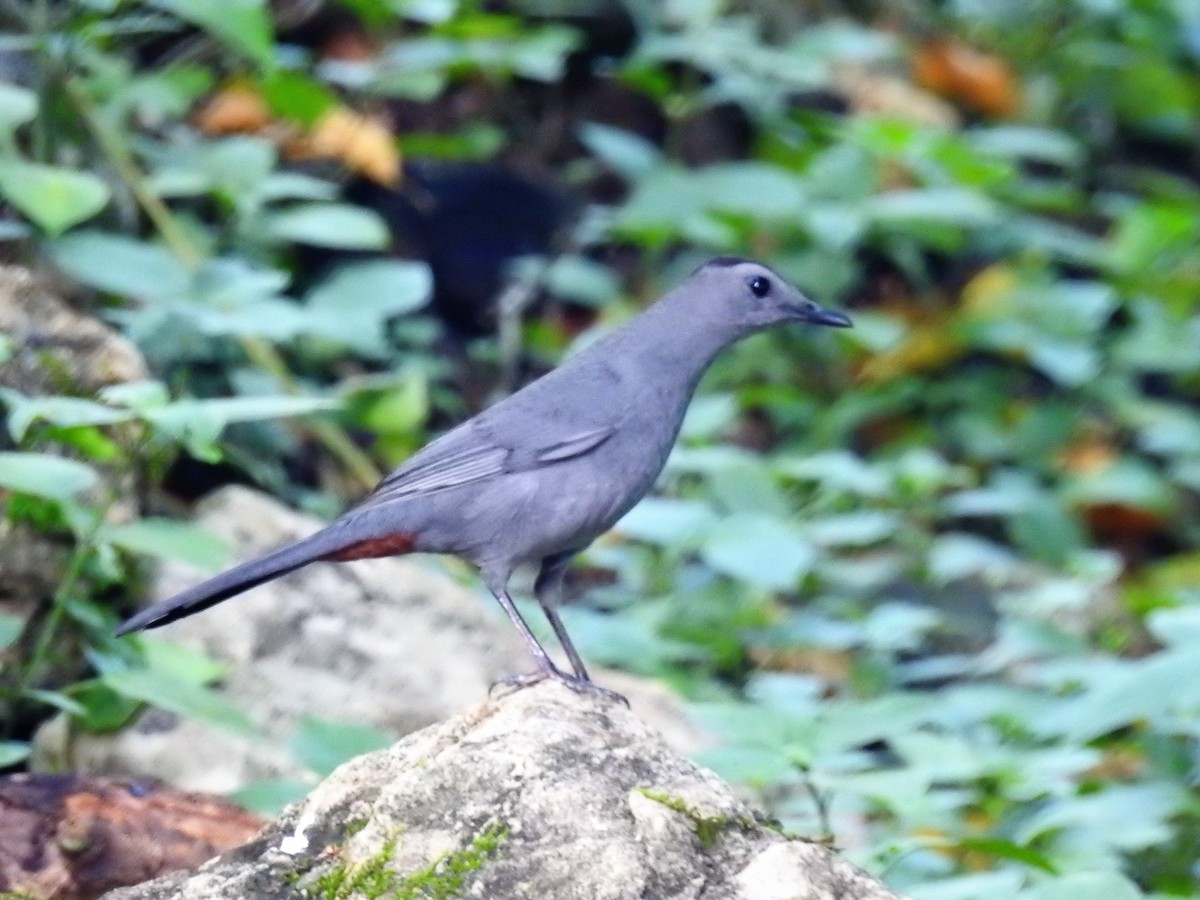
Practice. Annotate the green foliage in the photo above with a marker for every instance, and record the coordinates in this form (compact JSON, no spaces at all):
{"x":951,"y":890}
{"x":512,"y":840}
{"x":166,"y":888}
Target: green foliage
{"x":931,"y":579}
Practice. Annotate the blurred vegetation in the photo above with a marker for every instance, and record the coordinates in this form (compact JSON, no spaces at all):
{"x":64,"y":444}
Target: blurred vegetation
{"x":933,"y":581}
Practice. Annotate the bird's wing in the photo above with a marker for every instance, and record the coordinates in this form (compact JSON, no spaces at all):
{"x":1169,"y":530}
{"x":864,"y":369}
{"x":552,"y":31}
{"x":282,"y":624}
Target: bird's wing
{"x":474,"y":451}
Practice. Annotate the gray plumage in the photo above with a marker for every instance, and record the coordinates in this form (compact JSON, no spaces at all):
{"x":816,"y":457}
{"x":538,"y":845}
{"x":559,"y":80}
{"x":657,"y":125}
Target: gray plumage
{"x":538,"y":476}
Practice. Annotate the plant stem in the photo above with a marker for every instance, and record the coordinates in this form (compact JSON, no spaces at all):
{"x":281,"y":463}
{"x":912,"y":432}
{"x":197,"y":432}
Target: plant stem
{"x":58,"y":606}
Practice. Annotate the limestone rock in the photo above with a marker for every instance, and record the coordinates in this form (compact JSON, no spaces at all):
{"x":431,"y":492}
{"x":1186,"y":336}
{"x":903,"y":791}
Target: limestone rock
{"x":542,"y":793}
{"x":58,"y":349}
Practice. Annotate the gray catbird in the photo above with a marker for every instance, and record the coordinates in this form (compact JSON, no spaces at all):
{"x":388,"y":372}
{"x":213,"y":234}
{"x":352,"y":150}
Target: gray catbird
{"x":538,"y":476}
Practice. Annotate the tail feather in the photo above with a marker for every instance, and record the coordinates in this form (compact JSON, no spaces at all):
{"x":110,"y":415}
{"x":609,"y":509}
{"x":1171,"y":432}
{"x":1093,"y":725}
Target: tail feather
{"x":240,"y":578}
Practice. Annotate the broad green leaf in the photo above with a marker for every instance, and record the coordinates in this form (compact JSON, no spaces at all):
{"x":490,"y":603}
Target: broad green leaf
{"x":11,"y":627}
{"x":57,"y":701}
{"x":853,"y":529}
{"x":629,"y":154}
{"x":329,"y":225}
{"x":1025,"y":142}
{"x":582,"y":280}
{"x":755,"y":189}
{"x":13,"y":752}
{"x":178,"y":696}
{"x":1130,"y":481}
{"x":180,"y":661}
{"x":18,"y":105}
{"x":352,"y":306}
{"x":44,"y":475}
{"x":269,"y":796}
{"x":198,"y":423}
{"x":242,"y":25}
{"x":1110,"y":885}
{"x":760,"y":550}
{"x":955,"y":556}
{"x":324,"y":744}
{"x":53,"y":198}
{"x":64,"y":412}
{"x":942,"y":206}
{"x":121,"y":265}
{"x":170,"y":539}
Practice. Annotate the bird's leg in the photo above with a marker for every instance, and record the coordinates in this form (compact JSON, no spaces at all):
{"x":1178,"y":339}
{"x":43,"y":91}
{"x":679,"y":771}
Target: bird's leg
{"x":545,"y":665}
{"x":548,"y":590}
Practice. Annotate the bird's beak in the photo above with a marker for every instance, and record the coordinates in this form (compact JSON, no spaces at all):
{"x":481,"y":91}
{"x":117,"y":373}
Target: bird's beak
{"x":818,"y":315}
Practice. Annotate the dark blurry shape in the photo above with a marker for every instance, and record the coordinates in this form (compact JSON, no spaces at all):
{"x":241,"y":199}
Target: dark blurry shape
{"x":468,"y":222}
{"x":70,"y":837}
{"x":718,"y":133}
{"x":977,"y":81}
{"x":607,"y":30}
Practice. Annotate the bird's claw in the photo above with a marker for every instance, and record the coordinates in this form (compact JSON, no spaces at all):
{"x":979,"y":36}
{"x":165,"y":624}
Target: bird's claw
{"x":574,"y":682}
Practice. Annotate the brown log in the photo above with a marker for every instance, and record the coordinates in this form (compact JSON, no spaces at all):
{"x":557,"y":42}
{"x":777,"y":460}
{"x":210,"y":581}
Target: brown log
{"x":67,"y":837}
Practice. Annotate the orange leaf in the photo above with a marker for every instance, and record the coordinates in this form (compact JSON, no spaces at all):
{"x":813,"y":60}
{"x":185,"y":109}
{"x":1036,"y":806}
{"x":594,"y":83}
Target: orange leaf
{"x":237,"y":109}
{"x":363,"y":143}
{"x":978,"y":81}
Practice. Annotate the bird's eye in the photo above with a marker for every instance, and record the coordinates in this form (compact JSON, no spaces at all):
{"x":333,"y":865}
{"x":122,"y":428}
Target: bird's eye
{"x":760,"y":286}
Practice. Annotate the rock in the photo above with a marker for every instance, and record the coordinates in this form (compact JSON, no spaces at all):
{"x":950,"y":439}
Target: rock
{"x":395,"y":644}
{"x":58,"y":349}
{"x":63,"y":837}
{"x":542,"y":793}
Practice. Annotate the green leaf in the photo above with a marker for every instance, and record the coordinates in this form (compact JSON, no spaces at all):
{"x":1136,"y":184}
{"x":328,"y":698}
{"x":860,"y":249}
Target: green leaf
{"x":53,"y":198}
{"x":180,"y":661}
{"x":957,"y":556}
{"x":242,"y":25}
{"x":13,"y":752}
{"x":324,"y":744}
{"x":337,"y":225}
{"x":178,"y":696}
{"x":120,"y":264}
{"x":941,"y":206}
{"x":628,"y":154}
{"x":170,"y":539}
{"x":57,"y":700}
{"x":18,"y":105}
{"x":1025,"y":142}
{"x":582,"y":280}
{"x":352,"y":306}
{"x":45,"y":475}
{"x":1129,"y":481}
{"x":104,"y":710}
{"x":270,"y":795}
{"x":1110,"y":885}
{"x":64,"y":412}
{"x":760,"y":550}
{"x":666,"y":521}
{"x":198,"y":423}
{"x":11,"y":627}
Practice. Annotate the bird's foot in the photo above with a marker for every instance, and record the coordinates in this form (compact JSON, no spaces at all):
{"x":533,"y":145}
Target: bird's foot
{"x":579,"y":685}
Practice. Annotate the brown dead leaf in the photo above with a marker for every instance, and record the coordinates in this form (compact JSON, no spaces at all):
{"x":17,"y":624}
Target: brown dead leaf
{"x":978,"y":81}
{"x":236,"y":109}
{"x":360,"y":141}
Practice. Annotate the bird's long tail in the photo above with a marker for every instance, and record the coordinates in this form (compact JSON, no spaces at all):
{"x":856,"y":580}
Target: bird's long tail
{"x":327,"y":544}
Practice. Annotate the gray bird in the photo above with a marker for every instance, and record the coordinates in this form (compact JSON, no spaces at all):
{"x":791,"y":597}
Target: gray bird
{"x":540,"y":475}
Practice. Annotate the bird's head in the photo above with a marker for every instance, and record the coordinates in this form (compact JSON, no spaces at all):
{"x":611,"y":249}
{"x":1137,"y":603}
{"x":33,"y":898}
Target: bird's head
{"x":754,"y":296}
